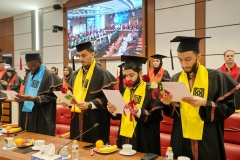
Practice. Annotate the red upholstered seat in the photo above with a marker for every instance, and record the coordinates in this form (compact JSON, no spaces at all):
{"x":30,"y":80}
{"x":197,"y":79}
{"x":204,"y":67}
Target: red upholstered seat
{"x":164,"y":143}
{"x":165,"y":134}
{"x":232,"y":137}
{"x":232,"y":129}
{"x":232,"y":151}
{"x":114,"y":126}
{"x":63,"y":118}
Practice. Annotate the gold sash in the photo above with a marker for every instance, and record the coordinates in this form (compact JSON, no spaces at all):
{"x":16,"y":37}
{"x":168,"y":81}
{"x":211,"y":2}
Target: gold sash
{"x":127,"y":127}
{"x":192,"y":125}
{"x":79,"y":90}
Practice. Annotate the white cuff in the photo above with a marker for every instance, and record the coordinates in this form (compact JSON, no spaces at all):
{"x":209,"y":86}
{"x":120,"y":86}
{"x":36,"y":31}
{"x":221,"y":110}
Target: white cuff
{"x":93,"y":105}
{"x":114,"y":114}
{"x":138,"y":114}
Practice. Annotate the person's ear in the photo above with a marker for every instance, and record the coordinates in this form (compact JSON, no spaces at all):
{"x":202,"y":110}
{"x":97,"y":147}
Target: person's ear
{"x":199,"y":57}
{"x":93,"y":54}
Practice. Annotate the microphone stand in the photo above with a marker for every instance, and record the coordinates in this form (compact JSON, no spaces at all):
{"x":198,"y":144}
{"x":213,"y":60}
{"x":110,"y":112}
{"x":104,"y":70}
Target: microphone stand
{"x":95,"y":125}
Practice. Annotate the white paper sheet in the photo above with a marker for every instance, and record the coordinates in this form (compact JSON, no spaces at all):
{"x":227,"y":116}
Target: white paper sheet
{"x":177,"y":89}
{"x":61,"y":97}
{"x":115,"y":97}
{"x":10,"y":94}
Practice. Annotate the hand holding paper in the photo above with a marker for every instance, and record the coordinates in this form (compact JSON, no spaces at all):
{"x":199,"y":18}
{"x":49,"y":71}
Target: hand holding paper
{"x":116,"y":99}
{"x":177,"y":89}
{"x":65,"y":97}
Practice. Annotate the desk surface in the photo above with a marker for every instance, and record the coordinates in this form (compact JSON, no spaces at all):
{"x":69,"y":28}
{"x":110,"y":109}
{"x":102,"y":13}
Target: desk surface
{"x":83,"y":154}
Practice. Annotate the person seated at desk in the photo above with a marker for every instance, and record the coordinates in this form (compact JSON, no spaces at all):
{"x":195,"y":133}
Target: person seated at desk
{"x":143,"y":130}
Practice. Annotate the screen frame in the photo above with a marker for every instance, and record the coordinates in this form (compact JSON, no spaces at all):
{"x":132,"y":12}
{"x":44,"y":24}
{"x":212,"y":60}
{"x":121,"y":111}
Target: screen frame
{"x":74,"y":6}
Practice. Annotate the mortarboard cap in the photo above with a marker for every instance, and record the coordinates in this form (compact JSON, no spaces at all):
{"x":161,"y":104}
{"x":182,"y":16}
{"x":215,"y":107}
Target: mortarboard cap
{"x":82,"y":46}
{"x":2,"y":61}
{"x":12,"y":70}
{"x":121,"y":86}
{"x":133,"y":62}
{"x":188,"y":43}
{"x":31,"y":55}
{"x":158,"y":56}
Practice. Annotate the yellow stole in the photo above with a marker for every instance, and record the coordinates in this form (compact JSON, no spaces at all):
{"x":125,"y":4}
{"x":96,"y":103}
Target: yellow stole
{"x":127,"y":127}
{"x":80,"y":89}
{"x":192,"y":125}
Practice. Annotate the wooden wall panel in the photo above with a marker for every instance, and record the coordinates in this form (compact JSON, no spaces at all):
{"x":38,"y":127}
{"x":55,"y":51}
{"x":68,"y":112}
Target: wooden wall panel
{"x":1,"y":29}
{"x":2,"y":43}
{"x":75,"y":3}
{"x":8,"y":27}
{"x":65,"y":37}
{"x":8,"y":44}
{"x":150,"y":29}
{"x":7,"y":37}
{"x":200,"y":12}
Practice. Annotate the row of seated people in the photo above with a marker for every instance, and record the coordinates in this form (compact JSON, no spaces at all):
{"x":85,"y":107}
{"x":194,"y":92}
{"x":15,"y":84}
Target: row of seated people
{"x":114,"y":47}
{"x":86,"y":33}
{"x":126,"y":26}
{"x":103,"y":46}
{"x":132,"y":45}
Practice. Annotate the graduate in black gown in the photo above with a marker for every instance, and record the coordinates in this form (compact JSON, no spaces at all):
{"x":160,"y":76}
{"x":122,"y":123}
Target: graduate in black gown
{"x":37,"y":112}
{"x":158,"y":73}
{"x":3,"y":77}
{"x":13,"y":82}
{"x":143,"y":132}
{"x":197,"y":130}
{"x":87,"y":84}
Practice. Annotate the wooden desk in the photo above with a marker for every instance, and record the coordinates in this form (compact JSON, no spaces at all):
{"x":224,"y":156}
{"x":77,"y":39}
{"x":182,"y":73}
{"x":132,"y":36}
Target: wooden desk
{"x":83,"y":154}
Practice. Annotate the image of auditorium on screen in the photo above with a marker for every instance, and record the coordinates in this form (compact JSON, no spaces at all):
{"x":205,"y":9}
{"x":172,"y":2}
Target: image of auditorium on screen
{"x":114,"y":28}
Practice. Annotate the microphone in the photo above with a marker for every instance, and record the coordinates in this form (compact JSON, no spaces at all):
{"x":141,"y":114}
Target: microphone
{"x":95,"y":125}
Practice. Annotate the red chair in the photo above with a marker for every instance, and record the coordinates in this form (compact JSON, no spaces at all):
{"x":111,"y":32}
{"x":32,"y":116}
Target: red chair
{"x":232,"y":137}
{"x":63,"y":118}
{"x":114,"y":126}
{"x":165,"y":134}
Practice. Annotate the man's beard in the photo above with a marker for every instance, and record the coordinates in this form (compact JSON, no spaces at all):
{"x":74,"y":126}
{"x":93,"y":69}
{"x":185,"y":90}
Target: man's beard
{"x":137,"y":81}
{"x":194,"y":68}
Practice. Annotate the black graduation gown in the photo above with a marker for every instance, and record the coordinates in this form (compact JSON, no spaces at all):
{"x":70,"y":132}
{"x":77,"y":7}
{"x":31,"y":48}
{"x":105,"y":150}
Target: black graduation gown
{"x":237,"y":93}
{"x":211,"y":147}
{"x":17,"y":82}
{"x":146,"y":137}
{"x":166,"y":76}
{"x":81,"y":122}
{"x":42,"y":119}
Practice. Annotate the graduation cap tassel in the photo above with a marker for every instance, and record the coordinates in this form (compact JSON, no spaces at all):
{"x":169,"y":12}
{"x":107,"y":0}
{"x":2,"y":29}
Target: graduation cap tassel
{"x":20,"y":64}
{"x":171,"y":59}
{"x":73,"y":63}
{"x":121,"y":87}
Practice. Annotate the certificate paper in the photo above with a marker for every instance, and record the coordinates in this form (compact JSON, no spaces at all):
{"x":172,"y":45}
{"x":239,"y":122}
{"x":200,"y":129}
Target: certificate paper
{"x":177,"y":89}
{"x":115,"y":97}
{"x":60,"y":96}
